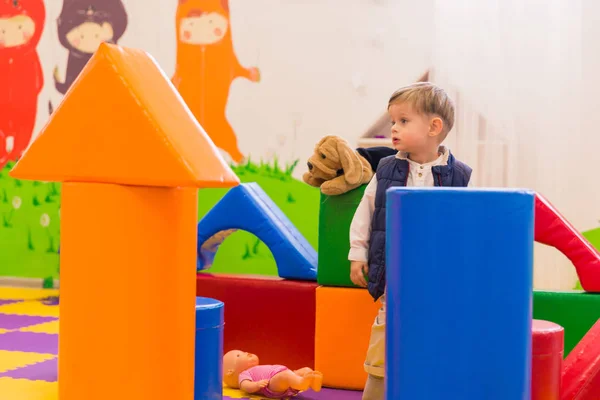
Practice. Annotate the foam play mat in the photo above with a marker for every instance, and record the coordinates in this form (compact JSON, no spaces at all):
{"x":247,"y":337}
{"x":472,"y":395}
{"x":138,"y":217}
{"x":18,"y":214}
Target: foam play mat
{"x":29,"y":350}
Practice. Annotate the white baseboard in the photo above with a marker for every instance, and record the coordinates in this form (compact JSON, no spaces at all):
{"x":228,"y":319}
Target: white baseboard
{"x":36,"y":283}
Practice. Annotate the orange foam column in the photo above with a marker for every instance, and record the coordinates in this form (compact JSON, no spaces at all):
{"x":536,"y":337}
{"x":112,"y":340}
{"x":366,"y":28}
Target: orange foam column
{"x":127,"y":292}
{"x":131,"y":157}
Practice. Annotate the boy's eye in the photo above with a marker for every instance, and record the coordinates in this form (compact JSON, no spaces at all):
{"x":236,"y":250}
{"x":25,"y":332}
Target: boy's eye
{"x":404,"y":120}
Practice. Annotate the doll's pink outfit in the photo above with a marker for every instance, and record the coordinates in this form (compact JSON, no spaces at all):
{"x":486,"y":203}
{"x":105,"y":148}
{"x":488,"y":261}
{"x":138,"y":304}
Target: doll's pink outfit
{"x":267,"y":372}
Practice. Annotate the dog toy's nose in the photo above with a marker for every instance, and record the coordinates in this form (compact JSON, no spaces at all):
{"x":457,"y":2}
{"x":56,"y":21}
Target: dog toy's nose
{"x":310,"y":166}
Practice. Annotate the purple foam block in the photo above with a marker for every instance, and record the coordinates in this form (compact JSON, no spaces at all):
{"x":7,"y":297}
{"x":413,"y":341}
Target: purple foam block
{"x":330,"y":394}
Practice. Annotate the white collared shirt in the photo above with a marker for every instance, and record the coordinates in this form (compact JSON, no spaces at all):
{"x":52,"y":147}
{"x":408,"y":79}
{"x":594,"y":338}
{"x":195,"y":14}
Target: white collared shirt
{"x":360,"y":228}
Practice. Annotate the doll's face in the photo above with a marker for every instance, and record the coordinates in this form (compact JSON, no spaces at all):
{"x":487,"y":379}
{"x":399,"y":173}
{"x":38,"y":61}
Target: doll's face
{"x":88,"y":36}
{"x":16,"y":31}
{"x":208,"y":28}
{"x":236,"y":362}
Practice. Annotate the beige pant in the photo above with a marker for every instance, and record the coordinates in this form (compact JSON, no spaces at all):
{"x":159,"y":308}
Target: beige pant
{"x":375,"y":359}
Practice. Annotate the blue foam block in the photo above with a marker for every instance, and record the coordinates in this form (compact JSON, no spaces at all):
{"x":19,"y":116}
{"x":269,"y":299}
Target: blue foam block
{"x":249,"y":208}
{"x":459,"y":293}
{"x":208,"y":373}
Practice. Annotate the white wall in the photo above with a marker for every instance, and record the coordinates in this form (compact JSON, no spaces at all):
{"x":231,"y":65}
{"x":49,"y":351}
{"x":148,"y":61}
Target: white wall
{"x":327,"y":67}
{"x":517,"y":64}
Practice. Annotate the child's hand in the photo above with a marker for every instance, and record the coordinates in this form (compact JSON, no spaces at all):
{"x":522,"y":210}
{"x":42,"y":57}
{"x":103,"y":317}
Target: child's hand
{"x":253,"y":387}
{"x":262,"y":383}
{"x":358,"y":271}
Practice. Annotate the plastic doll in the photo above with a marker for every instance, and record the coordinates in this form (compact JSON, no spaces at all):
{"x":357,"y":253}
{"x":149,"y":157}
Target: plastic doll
{"x":241,"y":370}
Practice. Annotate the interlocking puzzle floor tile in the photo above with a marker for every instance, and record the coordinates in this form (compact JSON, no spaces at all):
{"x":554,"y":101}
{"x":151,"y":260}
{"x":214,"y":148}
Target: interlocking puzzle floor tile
{"x":10,"y":321}
{"x":11,"y":360}
{"x":30,"y":307}
{"x":29,"y":348}
{"x":10,"y":293}
{"x":324,"y":394}
{"x":24,"y":389}
{"x":42,"y":371}
{"x":29,"y":342}
{"x":50,"y":327}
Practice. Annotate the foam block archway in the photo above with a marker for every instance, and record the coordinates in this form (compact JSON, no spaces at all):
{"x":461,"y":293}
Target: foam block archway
{"x":552,"y":229}
{"x":249,"y":208}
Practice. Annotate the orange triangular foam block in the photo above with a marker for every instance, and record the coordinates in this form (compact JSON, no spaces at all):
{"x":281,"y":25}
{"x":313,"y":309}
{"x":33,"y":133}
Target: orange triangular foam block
{"x":123,"y":122}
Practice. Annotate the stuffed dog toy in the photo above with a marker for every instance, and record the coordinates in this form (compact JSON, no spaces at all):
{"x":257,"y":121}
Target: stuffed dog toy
{"x":337,"y":168}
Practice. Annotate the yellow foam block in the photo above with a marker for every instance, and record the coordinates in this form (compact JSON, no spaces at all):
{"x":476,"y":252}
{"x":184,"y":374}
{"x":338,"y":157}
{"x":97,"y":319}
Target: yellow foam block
{"x":10,"y":360}
{"x":23,"y":389}
{"x":30,"y":307}
{"x":343,"y":327}
{"x":47,"y":327}
{"x":10,"y":293}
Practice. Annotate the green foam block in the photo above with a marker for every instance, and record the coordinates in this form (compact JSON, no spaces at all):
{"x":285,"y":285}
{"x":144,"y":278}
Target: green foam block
{"x":335,"y":216}
{"x":575,"y":311}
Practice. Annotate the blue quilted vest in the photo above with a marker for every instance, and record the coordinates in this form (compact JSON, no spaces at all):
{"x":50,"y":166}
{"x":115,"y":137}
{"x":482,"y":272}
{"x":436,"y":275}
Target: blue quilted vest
{"x":393,"y":171}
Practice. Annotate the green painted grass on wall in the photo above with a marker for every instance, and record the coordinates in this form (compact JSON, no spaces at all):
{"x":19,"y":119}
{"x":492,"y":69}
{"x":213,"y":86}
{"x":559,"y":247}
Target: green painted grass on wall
{"x":30,"y":228}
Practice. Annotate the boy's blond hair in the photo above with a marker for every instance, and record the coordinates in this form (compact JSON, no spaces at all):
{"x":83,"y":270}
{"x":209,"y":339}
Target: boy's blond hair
{"x":427,"y":98}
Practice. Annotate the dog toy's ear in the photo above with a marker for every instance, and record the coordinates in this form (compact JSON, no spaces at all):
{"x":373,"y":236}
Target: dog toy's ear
{"x":323,"y":140}
{"x":351,"y":163}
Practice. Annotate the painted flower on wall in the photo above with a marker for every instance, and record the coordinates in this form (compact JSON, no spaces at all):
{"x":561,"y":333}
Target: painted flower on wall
{"x":45,"y":220}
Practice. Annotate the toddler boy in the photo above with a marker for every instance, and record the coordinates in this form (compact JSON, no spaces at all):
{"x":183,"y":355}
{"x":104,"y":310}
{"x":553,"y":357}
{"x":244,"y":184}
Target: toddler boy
{"x":421,"y":116}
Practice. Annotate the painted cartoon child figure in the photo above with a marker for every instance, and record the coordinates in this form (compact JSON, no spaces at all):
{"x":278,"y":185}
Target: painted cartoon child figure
{"x":21,"y":77}
{"x":242,"y":370}
{"x":206,"y":67}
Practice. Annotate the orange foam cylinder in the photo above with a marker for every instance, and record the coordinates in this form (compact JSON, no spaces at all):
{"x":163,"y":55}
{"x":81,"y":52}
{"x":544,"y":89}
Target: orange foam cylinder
{"x":128,"y":256}
{"x":546,"y":361}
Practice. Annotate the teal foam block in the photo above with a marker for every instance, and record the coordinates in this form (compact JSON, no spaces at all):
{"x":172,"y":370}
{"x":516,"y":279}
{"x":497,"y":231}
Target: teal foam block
{"x":575,"y":311}
{"x":335,"y":216}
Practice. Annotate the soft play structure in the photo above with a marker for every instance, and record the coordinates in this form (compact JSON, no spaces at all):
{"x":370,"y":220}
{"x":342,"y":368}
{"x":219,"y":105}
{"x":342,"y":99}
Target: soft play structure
{"x":459,"y":320}
{"x":552,"y":229}
{"x":131,"y":158}
{"x":248,"y":207}
{"x":335,"y":322}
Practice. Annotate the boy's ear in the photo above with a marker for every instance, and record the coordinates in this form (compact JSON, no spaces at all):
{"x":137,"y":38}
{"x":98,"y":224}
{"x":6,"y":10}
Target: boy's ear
{"x":436,"y":127}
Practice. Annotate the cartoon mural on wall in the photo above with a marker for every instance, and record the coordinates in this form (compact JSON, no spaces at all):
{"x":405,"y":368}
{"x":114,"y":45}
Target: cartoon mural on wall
{"x":82,"y":26}
{"x":207,"y":65}
{"x":21,"y":77}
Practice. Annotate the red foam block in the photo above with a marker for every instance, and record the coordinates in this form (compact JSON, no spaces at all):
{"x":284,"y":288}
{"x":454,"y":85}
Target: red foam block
{"x":271,"y":317}
{"x":552,"y":229}
{"x":546,"y":361}
{"x":580,"y":374}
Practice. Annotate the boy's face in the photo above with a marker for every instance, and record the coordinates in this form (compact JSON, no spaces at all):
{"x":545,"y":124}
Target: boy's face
{"x":411,"y":131}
